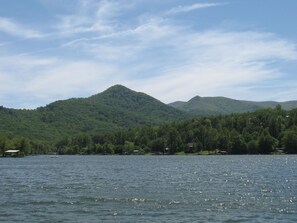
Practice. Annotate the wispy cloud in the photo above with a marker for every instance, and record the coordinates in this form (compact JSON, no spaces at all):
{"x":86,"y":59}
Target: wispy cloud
{"x":92,"y":16}
{"x":149,"y":53}
{"x":76,"y":24}
{"x":208,"y":63}
{"x":189,"y":8}
{"x":13,"y":28}
{"x":217,"y":63}
{"x":47,"y":79}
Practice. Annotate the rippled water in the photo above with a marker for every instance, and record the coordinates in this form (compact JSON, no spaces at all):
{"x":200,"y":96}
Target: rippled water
{"x":149,"y":189}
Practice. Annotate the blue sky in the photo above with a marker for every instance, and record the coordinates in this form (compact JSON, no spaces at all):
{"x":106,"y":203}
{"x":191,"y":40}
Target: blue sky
{"x":170,"y":49}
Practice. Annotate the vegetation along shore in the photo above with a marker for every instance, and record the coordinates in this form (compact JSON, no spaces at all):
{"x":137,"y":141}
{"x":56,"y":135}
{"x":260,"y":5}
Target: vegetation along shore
{"x":121,"y":121}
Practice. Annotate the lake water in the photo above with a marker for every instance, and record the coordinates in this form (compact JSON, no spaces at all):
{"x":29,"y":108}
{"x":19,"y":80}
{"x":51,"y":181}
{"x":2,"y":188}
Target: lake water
{"x":148,"y":189}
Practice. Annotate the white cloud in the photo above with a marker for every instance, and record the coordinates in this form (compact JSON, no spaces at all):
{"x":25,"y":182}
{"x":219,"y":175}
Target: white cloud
{"x":207,"y":63}
{"x":108,"y":9}
{"x":74,"y":24}
{"x":219,"y":63}
{"x":244,"y":46}
{"x":68,"y":78}
{"x":189,"y":8}
{"x":15,"y":29}
{"x":152,"y":55}
{"x":92,"y":16}
{"x":44,"y":80}
{"x":213,"y":63}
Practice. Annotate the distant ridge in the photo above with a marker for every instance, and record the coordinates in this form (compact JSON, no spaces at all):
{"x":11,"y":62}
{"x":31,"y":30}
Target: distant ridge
{"x":223,"y":106}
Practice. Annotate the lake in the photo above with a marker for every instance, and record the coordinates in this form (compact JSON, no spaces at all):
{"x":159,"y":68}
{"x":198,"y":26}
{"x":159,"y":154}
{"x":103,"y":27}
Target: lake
{"x":149,"y":189}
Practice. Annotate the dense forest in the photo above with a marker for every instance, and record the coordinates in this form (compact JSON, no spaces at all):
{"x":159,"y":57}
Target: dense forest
{"x":116,"y":108}
{"x":261,"y":132}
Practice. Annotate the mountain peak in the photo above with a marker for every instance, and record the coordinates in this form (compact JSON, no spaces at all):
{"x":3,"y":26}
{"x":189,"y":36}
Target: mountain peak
{"x":118,"y":91}
{"x":117,"y":87}
{"x":196,"y":98}
{"x":113,"y":91}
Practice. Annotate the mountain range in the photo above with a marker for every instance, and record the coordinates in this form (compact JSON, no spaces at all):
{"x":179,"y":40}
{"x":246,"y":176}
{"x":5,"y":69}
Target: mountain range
{"x":204,"y":106}
{"x":116,"y":108}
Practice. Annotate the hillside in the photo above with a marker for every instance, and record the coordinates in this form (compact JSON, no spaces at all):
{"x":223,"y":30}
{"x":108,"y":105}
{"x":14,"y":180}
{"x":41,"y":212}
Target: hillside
{"x":222,"y":106}
{"x":117,"y":107}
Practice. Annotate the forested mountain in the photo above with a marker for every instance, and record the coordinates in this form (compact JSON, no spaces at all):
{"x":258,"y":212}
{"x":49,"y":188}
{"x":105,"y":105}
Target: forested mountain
{"x":112,"y":122}
{"x":117,"y":107}
{"x":222,"y":105}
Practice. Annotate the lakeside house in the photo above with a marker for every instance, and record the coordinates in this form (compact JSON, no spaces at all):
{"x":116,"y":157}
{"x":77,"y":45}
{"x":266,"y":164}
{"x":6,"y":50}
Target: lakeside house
{"x":12,"y":153}
{"x":221,"y":152}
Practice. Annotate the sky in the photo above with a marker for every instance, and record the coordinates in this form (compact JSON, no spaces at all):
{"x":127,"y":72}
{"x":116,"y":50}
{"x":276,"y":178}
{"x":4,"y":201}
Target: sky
{"x":172,"y":50}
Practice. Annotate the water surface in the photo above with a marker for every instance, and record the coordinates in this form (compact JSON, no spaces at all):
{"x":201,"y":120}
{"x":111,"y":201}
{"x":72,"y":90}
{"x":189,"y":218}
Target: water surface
{"x":149,"y":189}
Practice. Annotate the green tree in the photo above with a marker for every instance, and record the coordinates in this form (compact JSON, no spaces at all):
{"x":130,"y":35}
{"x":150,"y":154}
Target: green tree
{"x":174,"y":142}
{"x":129,"y":147}
{"x":266,"y":143}
{"x":290,"y":141}
{"x":238,"y":145}
{"x":62,"y":143}
{"x":3,"y":143}
{"x":224,"y":142}
{"x":105,"y":149}
{"x":157,"y":145}
{"x":21,"y":144}
{"x":207,"y":136}
{"x":276,"y":125}
{"x":82,"y":140}
{"x":253,"y":147}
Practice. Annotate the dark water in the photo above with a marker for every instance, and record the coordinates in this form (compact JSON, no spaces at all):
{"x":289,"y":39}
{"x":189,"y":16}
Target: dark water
{"x":149,"y":189}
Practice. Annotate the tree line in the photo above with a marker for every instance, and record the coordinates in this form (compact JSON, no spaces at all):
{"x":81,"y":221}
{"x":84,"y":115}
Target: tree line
{"x":261,"y":132}
{"x":25,"y":145}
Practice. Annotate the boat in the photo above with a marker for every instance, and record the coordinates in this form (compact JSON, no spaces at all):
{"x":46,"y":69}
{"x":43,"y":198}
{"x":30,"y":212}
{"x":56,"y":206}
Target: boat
{"x":54,"y":156}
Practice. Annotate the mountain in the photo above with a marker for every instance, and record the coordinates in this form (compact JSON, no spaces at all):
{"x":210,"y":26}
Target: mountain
{"x":117,"y":107}
{"x":222,"y":105}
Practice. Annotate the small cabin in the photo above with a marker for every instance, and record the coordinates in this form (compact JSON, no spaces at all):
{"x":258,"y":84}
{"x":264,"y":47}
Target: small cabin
{"x":12,"y":153}
{"x":221,"y":152}
{"x":136,"y":152}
